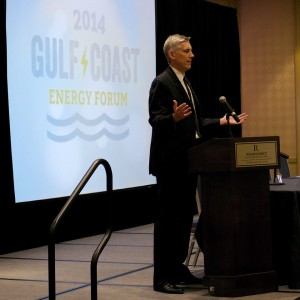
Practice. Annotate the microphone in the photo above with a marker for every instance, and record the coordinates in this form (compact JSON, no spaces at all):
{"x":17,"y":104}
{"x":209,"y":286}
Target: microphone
{"x":229,"y":109}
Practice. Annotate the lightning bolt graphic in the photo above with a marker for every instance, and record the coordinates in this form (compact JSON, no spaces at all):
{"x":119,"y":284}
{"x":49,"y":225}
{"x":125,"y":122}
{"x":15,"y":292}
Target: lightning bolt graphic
{"x":84,"y":62}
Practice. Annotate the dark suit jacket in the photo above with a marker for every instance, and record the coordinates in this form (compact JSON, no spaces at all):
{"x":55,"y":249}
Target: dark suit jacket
{"x":170,"y":141}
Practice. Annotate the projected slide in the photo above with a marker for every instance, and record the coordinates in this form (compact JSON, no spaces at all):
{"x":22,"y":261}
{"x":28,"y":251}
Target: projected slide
{"x":79,"y":74}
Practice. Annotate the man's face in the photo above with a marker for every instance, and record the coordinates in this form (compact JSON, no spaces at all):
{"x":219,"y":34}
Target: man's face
{"x":181,"y":59}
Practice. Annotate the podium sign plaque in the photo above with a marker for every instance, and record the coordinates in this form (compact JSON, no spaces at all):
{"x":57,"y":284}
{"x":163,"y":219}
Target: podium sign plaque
{"x":235,"y":213}
{"x":256,"y":153}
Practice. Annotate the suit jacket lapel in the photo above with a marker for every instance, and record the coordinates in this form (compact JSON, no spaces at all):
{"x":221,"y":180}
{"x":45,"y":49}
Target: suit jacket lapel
{"x":179,"y":85}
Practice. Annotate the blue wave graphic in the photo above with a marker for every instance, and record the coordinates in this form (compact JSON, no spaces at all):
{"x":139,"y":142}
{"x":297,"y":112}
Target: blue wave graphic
{"x":87,"y":137}
{"x":93,"y":122}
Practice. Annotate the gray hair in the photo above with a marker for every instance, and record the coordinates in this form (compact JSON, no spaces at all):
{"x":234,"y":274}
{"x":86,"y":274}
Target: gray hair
{"x":173,"y":42}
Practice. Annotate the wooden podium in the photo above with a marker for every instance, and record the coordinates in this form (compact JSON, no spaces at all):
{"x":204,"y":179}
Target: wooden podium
{"x":235,"y":213}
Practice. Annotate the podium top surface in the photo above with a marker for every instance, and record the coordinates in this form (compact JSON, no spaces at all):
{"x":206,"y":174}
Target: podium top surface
{"x":234,"y":154}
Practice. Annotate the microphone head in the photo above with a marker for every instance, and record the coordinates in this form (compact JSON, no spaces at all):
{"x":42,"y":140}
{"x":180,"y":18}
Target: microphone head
{"x":222,"y":99}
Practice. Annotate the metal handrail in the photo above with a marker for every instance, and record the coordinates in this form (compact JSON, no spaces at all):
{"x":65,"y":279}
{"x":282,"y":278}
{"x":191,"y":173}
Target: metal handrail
{"x":104,"y":240}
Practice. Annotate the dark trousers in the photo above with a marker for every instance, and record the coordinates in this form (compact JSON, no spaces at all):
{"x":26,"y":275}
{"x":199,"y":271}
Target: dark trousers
{"x":175,"y":210}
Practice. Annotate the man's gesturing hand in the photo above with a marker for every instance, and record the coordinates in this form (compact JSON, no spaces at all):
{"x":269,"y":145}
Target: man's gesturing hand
{"x":181,"y":111}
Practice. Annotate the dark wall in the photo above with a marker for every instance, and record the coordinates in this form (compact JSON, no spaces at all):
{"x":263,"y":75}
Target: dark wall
{"x":27,"y":225}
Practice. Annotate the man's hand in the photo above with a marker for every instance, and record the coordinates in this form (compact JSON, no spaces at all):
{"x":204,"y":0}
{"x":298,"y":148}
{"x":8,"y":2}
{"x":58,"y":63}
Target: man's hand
{"x":181,"y":111}
{"x":242,"y":117}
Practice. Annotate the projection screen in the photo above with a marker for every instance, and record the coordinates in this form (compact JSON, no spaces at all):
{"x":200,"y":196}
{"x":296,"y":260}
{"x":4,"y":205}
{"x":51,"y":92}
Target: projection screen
{"x":79,"y":74}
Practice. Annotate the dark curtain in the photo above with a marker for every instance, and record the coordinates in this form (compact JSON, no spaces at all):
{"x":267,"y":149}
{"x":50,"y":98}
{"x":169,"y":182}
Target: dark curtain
{"x":215,"y":40}
{"x":5,"y":157}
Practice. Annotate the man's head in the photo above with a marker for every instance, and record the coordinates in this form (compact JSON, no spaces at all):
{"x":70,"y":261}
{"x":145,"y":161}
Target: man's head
{"x":178,"y":51}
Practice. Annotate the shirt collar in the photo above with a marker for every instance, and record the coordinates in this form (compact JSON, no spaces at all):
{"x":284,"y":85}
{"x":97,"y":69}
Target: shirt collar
{"x":178,"y":74}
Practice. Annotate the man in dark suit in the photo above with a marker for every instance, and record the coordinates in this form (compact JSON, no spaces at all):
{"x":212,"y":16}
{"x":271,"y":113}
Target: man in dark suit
{"x":176,"y":127}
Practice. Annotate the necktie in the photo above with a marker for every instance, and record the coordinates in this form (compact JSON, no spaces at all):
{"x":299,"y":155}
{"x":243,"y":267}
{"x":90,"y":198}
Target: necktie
{"x":187,"y":85}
